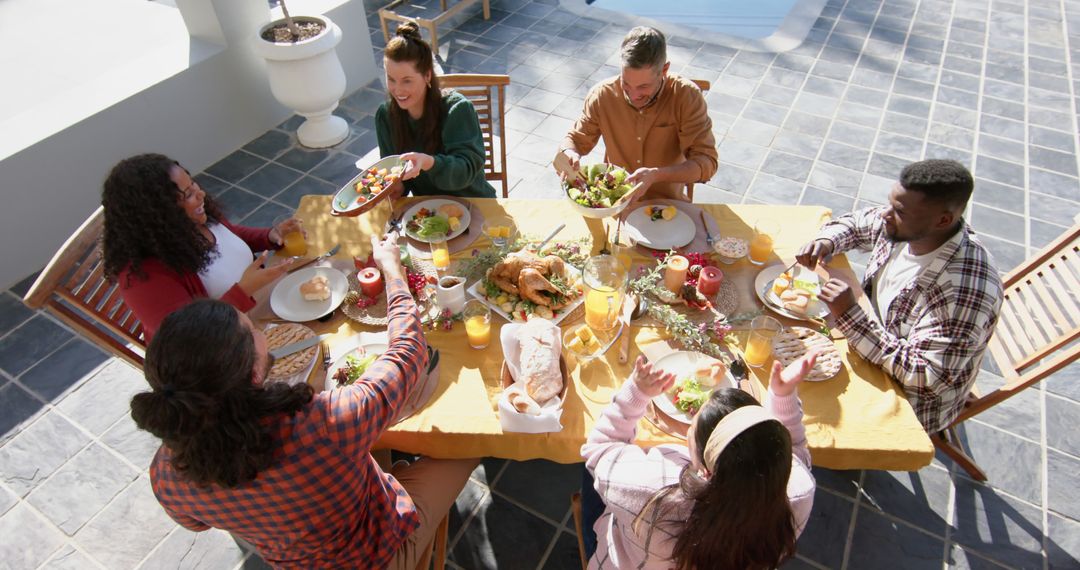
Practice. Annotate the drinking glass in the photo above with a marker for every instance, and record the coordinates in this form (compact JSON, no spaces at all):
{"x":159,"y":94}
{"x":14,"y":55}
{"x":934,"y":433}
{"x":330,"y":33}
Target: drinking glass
{"x":477,"y":317}
{"x":440,"y":253}
{"x":499,"y":229}
{"x":759,"y":345}
{"x":605,"y":286}
{"x":761,"y":246}
{"x":624,"y":250}
{"x":292,"y":243}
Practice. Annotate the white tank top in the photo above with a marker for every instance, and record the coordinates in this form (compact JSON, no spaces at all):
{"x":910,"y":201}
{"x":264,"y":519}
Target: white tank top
{"x":225,"y":270}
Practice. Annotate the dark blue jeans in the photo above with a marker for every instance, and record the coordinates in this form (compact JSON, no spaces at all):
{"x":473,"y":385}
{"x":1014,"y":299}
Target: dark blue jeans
{"x":592,"y":506}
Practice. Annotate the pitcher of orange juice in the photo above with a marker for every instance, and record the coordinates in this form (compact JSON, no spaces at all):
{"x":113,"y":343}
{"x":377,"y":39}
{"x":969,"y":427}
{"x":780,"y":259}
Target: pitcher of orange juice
{"x":605,"y":279}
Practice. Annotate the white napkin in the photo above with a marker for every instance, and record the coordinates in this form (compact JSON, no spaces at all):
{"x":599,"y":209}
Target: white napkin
{"x":509,"y":418}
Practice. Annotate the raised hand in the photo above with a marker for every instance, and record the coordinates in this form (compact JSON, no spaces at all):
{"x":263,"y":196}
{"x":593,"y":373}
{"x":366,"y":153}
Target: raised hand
{"x":259,"y":275}
{"x":785,"y":381}
{"x":651,"y":381}
{"x":387,"y":255}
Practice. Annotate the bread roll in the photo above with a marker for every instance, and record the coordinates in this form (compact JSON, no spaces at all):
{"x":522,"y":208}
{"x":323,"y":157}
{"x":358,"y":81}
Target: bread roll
{"x":539,"y":366}
{"x":315,"y":289}
{"x":523,"y":404}
{"x":710,"y":372}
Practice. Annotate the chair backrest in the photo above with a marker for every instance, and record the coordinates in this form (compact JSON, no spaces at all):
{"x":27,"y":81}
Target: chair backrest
{"x":1039,"y":324}
{"x":488,"y":95}
{"x":73,"y":287}
{"x":704,"y":86}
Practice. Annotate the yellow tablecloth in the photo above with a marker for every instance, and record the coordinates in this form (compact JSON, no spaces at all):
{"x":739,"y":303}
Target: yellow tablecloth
{"x":857,"y":420}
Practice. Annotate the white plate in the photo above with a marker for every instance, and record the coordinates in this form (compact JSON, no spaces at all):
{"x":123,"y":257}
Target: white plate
{"x":289,"y":304}
{"x":477,"y":291}
{"x":433,"y":205}
{"x":682,"y":364}
{"x":358,"y":351}
{"x":660,"y":234}
{"x":773,"y":302}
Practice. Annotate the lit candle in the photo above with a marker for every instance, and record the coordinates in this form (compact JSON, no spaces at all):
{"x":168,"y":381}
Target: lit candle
{"x":675,"y":273}
{"x":709,"y":280}
{"x":371,"y":282}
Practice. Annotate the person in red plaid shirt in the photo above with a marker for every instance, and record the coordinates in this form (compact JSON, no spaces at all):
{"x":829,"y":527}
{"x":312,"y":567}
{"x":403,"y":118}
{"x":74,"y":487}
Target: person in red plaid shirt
{"x":285,"y":469}
{"x":934,"y":291}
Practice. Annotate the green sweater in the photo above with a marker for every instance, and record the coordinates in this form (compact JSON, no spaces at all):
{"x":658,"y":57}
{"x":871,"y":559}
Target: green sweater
{"x":459,"y":166}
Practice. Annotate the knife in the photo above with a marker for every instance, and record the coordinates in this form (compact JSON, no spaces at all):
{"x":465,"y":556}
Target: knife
{"x":333,"y":251}
{"x":297,"y":346}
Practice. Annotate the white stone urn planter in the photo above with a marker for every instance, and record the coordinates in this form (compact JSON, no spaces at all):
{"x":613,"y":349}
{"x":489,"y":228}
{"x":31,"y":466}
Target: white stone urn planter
{"x":307,"y":76}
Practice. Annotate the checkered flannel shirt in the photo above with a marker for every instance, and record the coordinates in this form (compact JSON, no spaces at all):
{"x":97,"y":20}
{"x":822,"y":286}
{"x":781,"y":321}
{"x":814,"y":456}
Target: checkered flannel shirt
{"x":935,"y":332}
{"x":324,"y":502}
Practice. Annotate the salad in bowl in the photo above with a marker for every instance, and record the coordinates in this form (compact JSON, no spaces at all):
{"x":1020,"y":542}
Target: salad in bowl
{"x":595,"y":193}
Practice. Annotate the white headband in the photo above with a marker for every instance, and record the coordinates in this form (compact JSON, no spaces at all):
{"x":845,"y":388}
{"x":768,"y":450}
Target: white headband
{"x":729,"y":428}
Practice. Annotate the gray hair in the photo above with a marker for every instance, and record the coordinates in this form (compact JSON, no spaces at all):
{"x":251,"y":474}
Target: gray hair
{"x":644,"y":47}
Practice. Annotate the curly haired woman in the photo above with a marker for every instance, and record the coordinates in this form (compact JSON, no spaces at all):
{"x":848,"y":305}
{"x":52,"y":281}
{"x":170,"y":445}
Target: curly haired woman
{"x":166,"y":242}
{"x":437,"y":133}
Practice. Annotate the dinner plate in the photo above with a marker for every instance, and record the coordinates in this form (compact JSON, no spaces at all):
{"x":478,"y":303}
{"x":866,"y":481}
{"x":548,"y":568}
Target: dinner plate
{"x":682,"y":364}
{"x":772,"y":301}
{"x":433,"y":204}
{"x":477,"y":291}
{"x":660,"y":234}
{"x":358,"y":351}
{"x":289,"y":304}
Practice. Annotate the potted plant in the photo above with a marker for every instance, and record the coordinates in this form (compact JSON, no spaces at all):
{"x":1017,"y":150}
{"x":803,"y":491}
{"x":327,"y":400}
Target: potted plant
{"x":305,"y":73}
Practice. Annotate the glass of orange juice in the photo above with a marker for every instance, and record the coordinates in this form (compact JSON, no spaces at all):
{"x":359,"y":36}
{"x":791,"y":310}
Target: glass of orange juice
{"x":605,"y":286}
{"x":761,"y":246}
{"x":292,"y":243}
{"x":759,"y":345}
{"x":477,"y":317}
{"x":499,"y":229}
{"x":624,"y":250}
{"x":440,"y":252}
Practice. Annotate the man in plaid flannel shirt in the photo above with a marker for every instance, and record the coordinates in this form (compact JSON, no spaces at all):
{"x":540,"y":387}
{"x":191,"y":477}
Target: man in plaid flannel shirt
{"x":310,"y":495}
{"x":935,"y":293}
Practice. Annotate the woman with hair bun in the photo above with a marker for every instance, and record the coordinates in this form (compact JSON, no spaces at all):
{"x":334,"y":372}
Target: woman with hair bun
{"x":736,"y":497}
{"x":436,"y":132}
{"x":167,"y":242}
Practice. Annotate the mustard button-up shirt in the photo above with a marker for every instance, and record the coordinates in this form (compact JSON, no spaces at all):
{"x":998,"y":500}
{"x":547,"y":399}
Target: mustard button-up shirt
{"x":673,"y":128}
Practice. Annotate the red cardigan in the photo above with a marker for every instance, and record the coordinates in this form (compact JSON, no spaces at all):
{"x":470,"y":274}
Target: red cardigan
{"x":164,"y":289}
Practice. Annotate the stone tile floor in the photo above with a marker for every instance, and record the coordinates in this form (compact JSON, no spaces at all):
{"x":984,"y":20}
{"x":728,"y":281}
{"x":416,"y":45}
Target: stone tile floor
{"x":877,"y":84}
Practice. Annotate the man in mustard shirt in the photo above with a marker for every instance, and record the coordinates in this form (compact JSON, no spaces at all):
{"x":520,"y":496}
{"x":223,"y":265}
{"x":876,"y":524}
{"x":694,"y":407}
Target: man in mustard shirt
{"x":654,"y":124}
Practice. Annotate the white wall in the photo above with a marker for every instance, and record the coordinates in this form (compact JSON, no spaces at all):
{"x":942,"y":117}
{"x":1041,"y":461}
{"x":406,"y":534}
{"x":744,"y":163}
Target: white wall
{"x":198,"y":111}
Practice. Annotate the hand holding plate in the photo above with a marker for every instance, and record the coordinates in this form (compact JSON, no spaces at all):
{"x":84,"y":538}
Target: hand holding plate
{"x":837,"y":295}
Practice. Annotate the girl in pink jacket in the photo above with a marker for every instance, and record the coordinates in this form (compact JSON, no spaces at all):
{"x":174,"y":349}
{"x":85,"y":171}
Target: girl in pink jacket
{"x":736,"y":496}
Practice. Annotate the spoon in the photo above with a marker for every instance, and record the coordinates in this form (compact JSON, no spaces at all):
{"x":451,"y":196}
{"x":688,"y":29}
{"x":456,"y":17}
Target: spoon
{"x":555,"y":231}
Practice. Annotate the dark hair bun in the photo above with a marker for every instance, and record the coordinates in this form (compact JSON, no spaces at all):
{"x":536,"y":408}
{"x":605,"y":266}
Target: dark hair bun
{"x":410,"y":31}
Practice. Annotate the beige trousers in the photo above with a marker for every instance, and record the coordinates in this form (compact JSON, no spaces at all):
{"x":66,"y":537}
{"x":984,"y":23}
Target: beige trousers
{"x":433,"y":485}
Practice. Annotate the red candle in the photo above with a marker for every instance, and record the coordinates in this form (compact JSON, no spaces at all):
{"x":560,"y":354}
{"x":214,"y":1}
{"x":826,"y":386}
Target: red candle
{"x":709,"y":280}
{"x":371,"y":282}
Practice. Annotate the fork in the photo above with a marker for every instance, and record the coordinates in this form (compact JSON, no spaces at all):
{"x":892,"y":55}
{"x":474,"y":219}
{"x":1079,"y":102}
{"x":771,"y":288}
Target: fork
{"x":708,"y":236}
{"x":394,"y":225}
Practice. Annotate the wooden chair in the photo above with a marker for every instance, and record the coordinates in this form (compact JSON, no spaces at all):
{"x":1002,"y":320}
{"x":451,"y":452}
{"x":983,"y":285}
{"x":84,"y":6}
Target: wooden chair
{"x":1036,"y":333}
{"x":73,"y":287}
{"x":704,"y":86}
{"x":488,"y":95}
